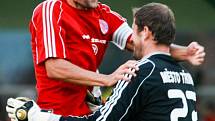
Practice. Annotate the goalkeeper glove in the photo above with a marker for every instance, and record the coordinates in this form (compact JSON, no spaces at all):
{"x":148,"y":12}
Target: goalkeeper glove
{"x":93,"y":102}
{"x":24,"y":109}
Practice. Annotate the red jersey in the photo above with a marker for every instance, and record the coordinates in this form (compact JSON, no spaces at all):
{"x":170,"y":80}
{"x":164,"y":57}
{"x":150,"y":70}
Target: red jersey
{"x":79,"y":36}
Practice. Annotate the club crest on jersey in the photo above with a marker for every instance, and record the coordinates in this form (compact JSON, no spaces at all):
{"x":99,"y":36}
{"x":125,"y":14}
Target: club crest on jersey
{"x":104,"y":26}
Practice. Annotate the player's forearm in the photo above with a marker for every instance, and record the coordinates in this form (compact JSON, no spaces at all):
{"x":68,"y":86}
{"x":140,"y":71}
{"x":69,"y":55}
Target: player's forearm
{"x":65,"y":70}
{"x":85,"y":77}
{"x":178,"y":52}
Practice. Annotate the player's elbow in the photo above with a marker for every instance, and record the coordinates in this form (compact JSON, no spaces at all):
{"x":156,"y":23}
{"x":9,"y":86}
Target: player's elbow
{"x":56,"y":73}
{"x":53,"y":69}
{"x":51,"y":74}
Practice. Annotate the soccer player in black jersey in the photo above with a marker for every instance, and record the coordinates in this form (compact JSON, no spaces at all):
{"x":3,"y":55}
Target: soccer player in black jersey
{"x":162,"y":90}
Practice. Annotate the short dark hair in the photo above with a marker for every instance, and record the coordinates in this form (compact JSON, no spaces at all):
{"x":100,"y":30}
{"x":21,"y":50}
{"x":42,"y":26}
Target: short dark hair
{"x":160,"y":20}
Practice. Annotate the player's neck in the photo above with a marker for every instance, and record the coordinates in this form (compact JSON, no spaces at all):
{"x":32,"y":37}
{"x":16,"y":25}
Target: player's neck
{"x":153,"y":48}
{"x":76,"y":5}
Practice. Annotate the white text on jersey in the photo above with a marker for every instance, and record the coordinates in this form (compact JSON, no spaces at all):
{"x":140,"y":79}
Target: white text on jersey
{"x":176,"y":77}
{"x":93,"y":40}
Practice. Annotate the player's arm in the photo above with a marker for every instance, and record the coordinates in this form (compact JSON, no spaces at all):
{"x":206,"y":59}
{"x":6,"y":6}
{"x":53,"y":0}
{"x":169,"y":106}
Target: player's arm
{"x":48,"y":37}
{"x":24,"y":109}
{"x":193,"y":53}
{"x":65,"y":70}
{"x":120,"y":105}
{"x":124,"y":100}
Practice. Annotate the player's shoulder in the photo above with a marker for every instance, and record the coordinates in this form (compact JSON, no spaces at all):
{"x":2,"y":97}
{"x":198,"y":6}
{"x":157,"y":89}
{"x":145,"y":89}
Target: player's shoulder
{"x":146,"y":67}
{"x":155,"y":62}
{"x":107,"y":11}
{"x":103,"y":7}
{"x":145,"y":63}
{"x":161,"y":59}
{"x":53,"y":4}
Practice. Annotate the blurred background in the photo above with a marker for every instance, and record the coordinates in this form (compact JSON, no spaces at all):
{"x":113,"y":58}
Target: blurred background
{"x":195,"y":20}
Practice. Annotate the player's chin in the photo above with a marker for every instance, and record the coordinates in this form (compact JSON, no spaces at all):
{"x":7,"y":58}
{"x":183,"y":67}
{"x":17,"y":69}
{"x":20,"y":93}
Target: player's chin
{"x":92,"y":5}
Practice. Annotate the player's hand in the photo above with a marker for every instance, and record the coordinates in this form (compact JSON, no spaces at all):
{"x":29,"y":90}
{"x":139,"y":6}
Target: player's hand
{"x":19,"y":109}
{"x":128,"y":68}
{"x":196,"y":53}
{"x":24,"y":109}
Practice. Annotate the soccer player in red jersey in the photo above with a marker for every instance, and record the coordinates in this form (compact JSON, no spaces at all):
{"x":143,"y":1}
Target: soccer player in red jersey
{"x":69,"y":39}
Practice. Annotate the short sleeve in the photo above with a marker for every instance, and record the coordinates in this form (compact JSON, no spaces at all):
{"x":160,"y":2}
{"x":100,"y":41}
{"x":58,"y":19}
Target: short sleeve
{"x":47,"y":32}
{"x":119,"y":28}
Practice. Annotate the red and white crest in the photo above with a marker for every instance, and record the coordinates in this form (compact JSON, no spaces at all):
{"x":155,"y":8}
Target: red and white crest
{"x":95,"y":49}
{"x":104,"y":26}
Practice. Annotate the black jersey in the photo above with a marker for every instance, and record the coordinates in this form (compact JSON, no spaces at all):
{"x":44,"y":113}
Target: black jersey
{"x":161,"y":91}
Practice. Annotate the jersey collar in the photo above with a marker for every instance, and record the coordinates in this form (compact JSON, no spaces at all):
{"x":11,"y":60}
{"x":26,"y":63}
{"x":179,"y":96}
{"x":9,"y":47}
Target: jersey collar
{"x":154,"y":53}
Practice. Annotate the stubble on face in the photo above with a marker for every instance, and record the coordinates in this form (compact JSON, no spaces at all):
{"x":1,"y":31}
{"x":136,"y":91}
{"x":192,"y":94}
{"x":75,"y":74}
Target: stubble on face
{"x":137,"y":54}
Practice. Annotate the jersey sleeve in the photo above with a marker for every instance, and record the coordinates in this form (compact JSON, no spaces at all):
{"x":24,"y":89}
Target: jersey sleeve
{"x":125,"y":101}
{"x":119,"y":28}
{"x":121,"y":35}
{"x":47,"y":32}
